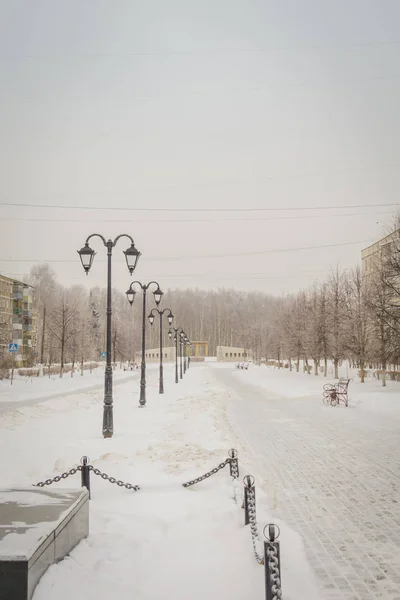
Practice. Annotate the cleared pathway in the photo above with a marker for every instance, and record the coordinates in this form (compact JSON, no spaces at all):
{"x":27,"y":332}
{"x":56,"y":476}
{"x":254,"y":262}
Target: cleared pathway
{"x":335,"y":473}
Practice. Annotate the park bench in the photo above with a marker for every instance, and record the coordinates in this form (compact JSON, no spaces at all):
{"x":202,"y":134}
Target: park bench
{"x":334,"y":393}
{"x":242,"y":365}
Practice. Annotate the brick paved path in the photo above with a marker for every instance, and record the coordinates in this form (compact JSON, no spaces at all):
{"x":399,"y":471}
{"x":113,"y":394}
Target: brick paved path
{"x":336,"y":473}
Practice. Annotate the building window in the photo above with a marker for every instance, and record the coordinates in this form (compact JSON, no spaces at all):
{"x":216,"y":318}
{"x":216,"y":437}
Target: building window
{"x":234,"y":355}
{"x":226,"y":355}
{"x":230,"y":354}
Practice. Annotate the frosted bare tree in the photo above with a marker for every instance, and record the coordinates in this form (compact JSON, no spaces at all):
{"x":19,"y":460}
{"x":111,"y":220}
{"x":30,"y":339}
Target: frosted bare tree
{"x":336,"y":317}
{"x":62,"y":323}
{"x":43,"y":279}
{"x":358,"y":323}
{"x":314,"y":327}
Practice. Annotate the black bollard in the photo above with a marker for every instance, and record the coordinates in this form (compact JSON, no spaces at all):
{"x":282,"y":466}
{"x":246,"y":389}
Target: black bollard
{"x":272,"y":563}
{"x":249,"y":482}
{"x":234,"y":463}
{"x":85,"y":474}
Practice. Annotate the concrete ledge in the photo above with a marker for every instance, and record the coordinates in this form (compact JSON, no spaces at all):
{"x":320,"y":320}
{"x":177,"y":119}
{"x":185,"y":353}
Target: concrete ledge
{"x":38,"y":527}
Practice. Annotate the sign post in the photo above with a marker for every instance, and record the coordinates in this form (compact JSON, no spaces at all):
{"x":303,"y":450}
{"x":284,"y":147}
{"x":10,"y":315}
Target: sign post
{"x":13,"y":349}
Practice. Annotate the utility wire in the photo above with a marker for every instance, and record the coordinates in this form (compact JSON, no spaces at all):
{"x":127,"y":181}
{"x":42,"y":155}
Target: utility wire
{"x":200,"y":52}
{"x":248,"y":209}
{"x":201,"y":220}
{"x":205,"y":256}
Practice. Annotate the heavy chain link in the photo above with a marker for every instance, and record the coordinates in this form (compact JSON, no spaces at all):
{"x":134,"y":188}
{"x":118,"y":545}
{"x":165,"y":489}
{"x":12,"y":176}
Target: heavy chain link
{"x":234,"y":468}
{"x":207,"y":475}
{"x":120,"y":483}
{"x":273,"y":565}
{"x":255,"y":538}
{"x":59,"y":477}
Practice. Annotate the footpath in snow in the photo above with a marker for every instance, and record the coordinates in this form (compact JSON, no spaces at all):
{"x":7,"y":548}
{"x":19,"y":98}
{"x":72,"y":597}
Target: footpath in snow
{"x":164,"y":541}
{"x":331,"y":473}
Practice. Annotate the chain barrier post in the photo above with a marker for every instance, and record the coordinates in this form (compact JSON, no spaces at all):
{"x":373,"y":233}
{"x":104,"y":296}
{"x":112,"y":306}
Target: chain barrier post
{"x":272,"y":563}
{"x":249,"y":482}
{"x":85,"y":474}
{"x":234,"y":463}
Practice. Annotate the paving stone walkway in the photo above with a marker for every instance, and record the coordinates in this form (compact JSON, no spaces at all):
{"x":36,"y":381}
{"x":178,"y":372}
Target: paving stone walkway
{"x":336,"y":478}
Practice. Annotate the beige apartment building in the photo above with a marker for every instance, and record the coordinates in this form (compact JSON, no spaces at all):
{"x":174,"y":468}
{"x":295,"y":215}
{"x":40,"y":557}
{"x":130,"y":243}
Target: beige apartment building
{"x":372,"y":256}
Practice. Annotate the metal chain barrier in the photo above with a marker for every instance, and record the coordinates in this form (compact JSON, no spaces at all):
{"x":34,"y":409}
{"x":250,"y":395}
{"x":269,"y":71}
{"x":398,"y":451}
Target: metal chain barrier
{"x":273,"y":584}
{"x":207,"y":475}
{"x":85,"y":469}
{"x":233,"y":463}
{"x":128,"y":486}
{"x":255,"y":538}
{"x":58,"y":477}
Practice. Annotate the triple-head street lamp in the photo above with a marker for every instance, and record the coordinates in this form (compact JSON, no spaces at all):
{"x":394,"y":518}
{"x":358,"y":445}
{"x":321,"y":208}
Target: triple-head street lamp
{"x":151,"y":321}
{"x":87,"y":255}
{"x":130,"y":294}
{"x":176,"y":332}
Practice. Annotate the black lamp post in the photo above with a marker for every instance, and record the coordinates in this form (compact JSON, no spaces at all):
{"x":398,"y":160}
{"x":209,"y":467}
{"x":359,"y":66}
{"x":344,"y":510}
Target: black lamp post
{"x":177,"y":331}
{"x":87,"y":255}
{"x":130,"y":294}
{"x":181,"y":342}
{"x":151,"y":320}
{"x":188,"y":358}
{"x":185,"y":344}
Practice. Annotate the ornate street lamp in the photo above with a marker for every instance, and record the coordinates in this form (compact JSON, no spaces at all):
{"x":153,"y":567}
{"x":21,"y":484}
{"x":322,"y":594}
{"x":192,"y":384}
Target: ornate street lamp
{"x":182,"y":336}
{"x":176,"y":332}
{"x":87,"y":255}
{"x":185,"y":344}
{"x":189,"y":343}
{"x":151,"y":321}
{"x":130,"y":294}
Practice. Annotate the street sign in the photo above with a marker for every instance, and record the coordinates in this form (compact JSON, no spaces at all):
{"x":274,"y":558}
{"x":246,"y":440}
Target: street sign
{"x":13,"y":348}
{"x":103,"y":354}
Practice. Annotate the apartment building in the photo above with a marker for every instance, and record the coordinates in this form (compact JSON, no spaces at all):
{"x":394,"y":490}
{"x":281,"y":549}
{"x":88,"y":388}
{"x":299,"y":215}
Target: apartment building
{"x":372,"y":256}
{"x":17,"y":318}
{"x":6,"y":313}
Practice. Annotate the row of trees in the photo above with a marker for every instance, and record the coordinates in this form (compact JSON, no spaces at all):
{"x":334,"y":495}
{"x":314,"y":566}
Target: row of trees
{"x":348,"y":316}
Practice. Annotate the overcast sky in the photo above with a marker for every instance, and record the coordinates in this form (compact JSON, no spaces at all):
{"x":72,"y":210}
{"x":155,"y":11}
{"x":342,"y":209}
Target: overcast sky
{"x":184,"y":107}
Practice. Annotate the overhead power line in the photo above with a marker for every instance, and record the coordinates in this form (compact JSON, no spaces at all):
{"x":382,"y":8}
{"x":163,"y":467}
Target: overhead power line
{"x":147,"y":209}
{"x":201,"y":220}
{"x":199,"y":52}
{"x":204,"y":256}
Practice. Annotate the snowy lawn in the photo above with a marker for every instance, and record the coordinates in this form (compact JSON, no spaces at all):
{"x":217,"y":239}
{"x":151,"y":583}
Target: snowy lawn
{"x":369,"y":396}
{"x":25,"y":389}
{"x":163,"y":541}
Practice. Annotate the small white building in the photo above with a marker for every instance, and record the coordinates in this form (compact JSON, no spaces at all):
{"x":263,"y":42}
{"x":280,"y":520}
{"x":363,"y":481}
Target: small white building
{"x":153,"y":355}
{"x":230,"y":353}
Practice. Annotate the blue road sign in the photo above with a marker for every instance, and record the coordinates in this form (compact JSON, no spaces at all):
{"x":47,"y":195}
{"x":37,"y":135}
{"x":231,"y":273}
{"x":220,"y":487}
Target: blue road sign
{"x":103,"y":354}
{"x":13,"y":347}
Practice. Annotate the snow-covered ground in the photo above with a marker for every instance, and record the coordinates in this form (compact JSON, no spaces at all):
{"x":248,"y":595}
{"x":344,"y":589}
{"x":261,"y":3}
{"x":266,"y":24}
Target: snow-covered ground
{"x":369,"y":395}
{"x":164,"y":541}
{"x":30,"y":390}
{"x":331,"y":473}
